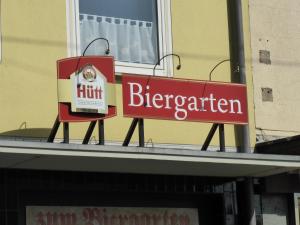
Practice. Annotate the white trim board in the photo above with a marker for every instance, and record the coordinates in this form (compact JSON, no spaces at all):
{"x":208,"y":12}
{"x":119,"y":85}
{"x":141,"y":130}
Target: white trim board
{"x":95,"y":158}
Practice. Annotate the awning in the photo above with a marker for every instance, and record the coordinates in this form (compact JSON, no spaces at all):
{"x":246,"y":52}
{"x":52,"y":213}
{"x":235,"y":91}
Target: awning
{"x":171,"y":161}
{"x":283,"y":146}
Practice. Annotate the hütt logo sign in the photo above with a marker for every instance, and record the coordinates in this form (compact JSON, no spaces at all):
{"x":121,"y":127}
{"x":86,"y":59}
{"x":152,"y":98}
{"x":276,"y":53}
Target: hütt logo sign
{"x":86,"y":88}
{"x":184,"y":100}
{"x":89,"y":91}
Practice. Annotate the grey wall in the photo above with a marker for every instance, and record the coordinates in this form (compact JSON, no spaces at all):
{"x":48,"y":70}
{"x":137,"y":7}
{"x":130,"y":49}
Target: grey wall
{"x":275,"y":29}
{"x":275,"y":210}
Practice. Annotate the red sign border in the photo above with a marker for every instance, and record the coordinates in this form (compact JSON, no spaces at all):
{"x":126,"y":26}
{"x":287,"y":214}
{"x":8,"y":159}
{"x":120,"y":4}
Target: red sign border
{"x":64,"y":113}
{"x":232,"y":122}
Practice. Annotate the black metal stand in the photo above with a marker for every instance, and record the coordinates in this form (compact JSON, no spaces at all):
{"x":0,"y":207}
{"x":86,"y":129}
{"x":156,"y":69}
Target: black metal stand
{"x":66,"y":133}
{"x":141,"y":133}
{"x":222,"y":137}
{"x":130,"y":132}
{"x":134,"y":123}
{"x":87,"y":136}
{"x":89,"y":133}
{"x":211,"y":135}
{"x":90,"y":130}
{"x":53,"y":130}
{"x":101,"y":132}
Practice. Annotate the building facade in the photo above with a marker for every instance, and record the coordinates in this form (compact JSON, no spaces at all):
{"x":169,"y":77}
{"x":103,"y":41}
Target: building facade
{"x":275,"y":44}
{"x":169,"y":180}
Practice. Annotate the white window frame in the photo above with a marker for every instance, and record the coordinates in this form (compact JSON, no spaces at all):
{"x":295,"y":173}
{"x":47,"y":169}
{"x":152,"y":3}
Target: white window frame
{"x":165,"y":41}
{"x":297,"y":216}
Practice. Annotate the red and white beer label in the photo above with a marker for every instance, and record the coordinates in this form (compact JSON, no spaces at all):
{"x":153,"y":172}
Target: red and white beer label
{"x":184,"y":100}
{"x":86,"y":88}
{"x":89,"y":91}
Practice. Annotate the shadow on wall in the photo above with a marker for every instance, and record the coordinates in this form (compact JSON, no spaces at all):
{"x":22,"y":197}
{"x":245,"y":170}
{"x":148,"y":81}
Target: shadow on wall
{"x":27,"y":133}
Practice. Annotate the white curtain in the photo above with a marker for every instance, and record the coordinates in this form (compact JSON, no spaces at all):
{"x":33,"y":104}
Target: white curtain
{"x":130,"y":40}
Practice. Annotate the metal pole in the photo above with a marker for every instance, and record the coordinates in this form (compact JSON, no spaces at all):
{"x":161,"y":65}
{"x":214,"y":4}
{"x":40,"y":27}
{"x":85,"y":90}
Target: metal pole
{"x":238,"y":74}
{"x":222,"y":137}
{"x":66,"y":133}
{"x":54,"y":130}
{"x":237,"y":61}
{"x":209,"y":137}
{"x":141,"y":133}
{"x":245,"y":193}
{"x":89,"y":133}
{"x":130,"y":131}
{"x":101,"y":132}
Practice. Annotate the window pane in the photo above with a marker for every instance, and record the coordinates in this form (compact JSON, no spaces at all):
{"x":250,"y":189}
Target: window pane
{"x":129,"y":25}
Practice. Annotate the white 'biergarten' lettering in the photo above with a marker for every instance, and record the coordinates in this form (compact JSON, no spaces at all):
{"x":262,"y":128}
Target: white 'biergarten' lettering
{"x":182,"y":104}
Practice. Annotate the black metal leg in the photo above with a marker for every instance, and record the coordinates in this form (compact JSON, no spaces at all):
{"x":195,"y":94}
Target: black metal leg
{"x":66,"y":133}
{"x":222,"y":137}
{"x":54,"y":130}
{"x":209,"y":137}
{"x":101,"y":132}
{"x":141,"y":133}
{"x":89,"y":133}
{"x":130,"y":132}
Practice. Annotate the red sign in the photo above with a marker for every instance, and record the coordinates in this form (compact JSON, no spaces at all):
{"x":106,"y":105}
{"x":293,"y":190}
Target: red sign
{"x":66,"y":215}
{"x":82,"y":84}
{"x":184,"y":100}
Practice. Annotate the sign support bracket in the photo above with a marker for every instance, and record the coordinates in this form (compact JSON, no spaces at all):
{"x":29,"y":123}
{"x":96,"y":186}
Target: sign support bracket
{"x":211,"y":135}
{"x":222,"y":137}
{"x":101,"y":132}
{"x":53,"y":130}
{"x":66,"y":133}
{"x":87,"y":136}
{"x":90,"y":130}
{"x":141,"y":133}
{"x":134,"y":123}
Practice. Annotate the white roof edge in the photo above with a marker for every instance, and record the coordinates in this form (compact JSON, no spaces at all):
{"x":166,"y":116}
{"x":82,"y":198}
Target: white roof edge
{"x":32,"y":155}
{"x":43,"y":146}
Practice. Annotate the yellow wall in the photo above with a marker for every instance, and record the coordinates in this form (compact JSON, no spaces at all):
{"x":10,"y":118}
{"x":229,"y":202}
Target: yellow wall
{"x":34,"y":37}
